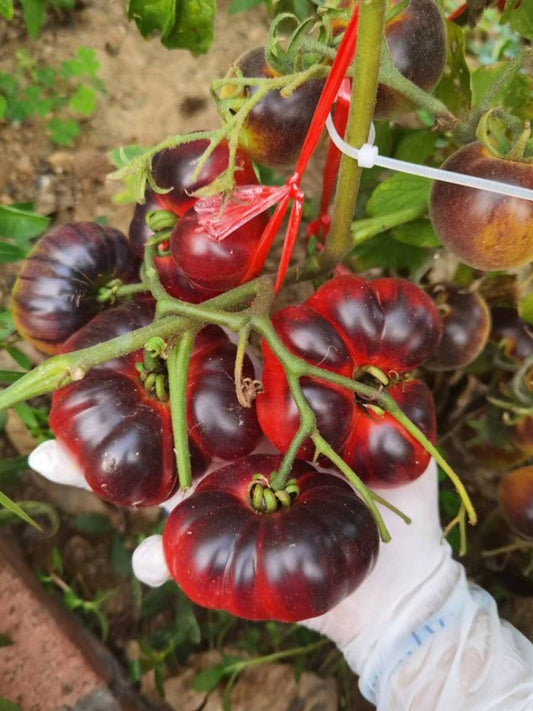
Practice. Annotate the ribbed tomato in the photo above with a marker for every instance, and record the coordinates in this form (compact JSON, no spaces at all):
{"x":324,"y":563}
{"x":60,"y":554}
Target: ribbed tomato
{"x":120,"y":433}
{"x":289,"y":565}
{"x":56,"y":290}
{"x":350,"y":323}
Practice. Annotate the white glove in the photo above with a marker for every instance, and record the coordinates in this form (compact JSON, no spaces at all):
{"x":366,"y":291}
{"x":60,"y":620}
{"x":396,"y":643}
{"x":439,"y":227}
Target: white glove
{"x":418,"y":635}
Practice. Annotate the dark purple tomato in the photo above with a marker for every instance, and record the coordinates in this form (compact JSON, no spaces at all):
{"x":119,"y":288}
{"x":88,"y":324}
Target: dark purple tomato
{"x":484,"y":230}
{"x":511,"y":333}
{"x":496,"y":444}
{"x":350,"y":323}
{"x":173,"y":169}
{"x":171,"y":276}
{"x":212,"y":264}
{"x":275,"y":128}
{"x":416,"y":39}
{"x":120,"y":433}
{"x":515,"y":494}
{"x":56,"y":290}
{"x":466,"y":327}
{"x":289,"y":565}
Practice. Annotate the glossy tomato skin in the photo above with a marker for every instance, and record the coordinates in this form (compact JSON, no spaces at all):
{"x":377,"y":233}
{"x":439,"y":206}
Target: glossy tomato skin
{"x":56,"y":290}
{"x":121,"y":436}
{"x":171,"y":276}
{"x":275,"y":128}
{"x":416,"y":39}
{"x":466,"y":327}
{"x":515,"y":494}
{"x":347,"y":324}
{"x":484,"y":230}
{"x":212,"y":264}
{"x":173,"y":169}
{"x":290,"y":565}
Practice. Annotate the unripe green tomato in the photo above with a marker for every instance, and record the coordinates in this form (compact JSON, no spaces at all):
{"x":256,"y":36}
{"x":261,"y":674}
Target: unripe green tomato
{"x":485,"y":230}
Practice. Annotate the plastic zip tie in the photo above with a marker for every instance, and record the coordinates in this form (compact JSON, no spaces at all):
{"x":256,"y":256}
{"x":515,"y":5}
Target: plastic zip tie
{"x":368,"y":156}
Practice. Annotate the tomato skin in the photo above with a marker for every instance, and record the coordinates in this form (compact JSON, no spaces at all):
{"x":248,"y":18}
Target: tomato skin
{"x":275,"y":128}
{"x":121,"y":436}
{"x":512,"y":333}
{"x":466,"y":327}
{"x":515,"y":494}
{"x":212,"y":264}
{"x":56,"y":290}
{"x":173,"y":170}
{"x":460,"y":215}
{"x":291,"y":565}
{"x":350,"y":323}
{"x":416,"y":39}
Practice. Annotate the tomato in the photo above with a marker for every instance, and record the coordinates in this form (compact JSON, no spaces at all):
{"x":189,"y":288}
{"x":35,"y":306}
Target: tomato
{"x":212,"y":264}
{"x":347,"y":324}
{"x":511,"y":333}
{"x":120,"y":434}
{"x":56,"y":290}
{"x":275,"y":128}
{"x":485,"y":230}
{"x":171,"y":276}
{"x":515,"y":494}
{"x":466,"y":327}
{"x":173,"y":170}
{"x":496,"y":444}
{"x":290,"y":565}
{"x":416,"y":39}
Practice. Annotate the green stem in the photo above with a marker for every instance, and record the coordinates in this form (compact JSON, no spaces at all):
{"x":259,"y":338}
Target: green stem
{"x":365,"y":83}
{"x":121,"y":291}
{"x":275,"y":656}
{"x":372,"y":226}
{"x":178,"y":369}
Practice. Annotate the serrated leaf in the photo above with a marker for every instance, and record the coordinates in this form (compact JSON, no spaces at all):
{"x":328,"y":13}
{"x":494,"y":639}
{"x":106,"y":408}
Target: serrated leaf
{"x":194,"y":27}
{"x":83,"y":101}
{"x":6,"y":9}
{"x":33,"y":14}
{"x":516,"y":95}
{"x":419,"y":233}
{"x":152,"y":16}
{"x":454,"y":87}
{"x":21,"y":225}
{"x":398,"y":192}
{"x":10,"y":252}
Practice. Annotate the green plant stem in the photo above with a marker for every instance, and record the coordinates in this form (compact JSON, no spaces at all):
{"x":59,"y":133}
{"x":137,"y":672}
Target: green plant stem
{"x":365,"y":83}
{"x":124,"y":290}
{"x":178,"y":370}
{"x":371,"y":226}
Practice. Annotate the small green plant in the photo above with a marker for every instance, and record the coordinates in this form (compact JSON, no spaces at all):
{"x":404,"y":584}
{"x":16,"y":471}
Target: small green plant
{"x":34,"y":12}
{"x":60,"y":96}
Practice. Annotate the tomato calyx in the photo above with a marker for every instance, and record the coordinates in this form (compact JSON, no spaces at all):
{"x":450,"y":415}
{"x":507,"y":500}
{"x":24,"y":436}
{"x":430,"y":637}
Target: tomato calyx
{"x":158,"y":220}
{"x":265,"y":500}
{"x":153,"y":370}
{"x":505,"y":137}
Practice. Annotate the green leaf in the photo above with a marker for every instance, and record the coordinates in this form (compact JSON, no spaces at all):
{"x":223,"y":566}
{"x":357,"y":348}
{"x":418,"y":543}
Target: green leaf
{"x":6,"y":705}
{"x":86,"y":57}
{"x":237,"y":6}
{"x":398,"y":192}
{"x":13,"y":465}
{"x":3,"y":106}
{"x":10,"y":252}
{"x":6,"y":324}
{"x":6,"y":9}
{"x":21,"y":225}
{"x":385,"y":252}
{"x":454,"y":87}
{"x":5,"y":640}
{"x":10,"y":505}
{"x":419,"y":233}
{"x":19,"y":357}
{"x":10,"y":376}
{"x":187,"y":24}
{"x":33,"y":13}
{"x":194,"y":27}
{"x":520,"y":17}
{"x":83,"y":101}
{"x":123,"y":155}
{"x":516,"y":95}
{"x":207,"y":679}
{"x":62,"y":132}
{"x":525,"y":308}
{"x":416,"y":146}
{"x":120,"y":558}
{"x":93,"y":523}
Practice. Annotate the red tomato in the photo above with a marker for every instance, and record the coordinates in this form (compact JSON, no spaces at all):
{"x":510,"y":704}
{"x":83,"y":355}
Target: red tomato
{"x":290,"y":565}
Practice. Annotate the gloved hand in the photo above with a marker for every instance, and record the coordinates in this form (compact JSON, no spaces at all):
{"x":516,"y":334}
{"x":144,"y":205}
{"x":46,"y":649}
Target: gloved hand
{"x":416,"y":633}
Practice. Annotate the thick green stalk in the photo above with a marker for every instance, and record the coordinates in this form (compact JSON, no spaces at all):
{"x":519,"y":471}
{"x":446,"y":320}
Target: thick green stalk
{"x":178,"y":370}
{"x":365,"y":83}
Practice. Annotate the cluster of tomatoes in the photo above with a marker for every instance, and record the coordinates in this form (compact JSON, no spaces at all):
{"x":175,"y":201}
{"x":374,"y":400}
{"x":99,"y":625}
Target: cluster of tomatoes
{"x":238,"y":543}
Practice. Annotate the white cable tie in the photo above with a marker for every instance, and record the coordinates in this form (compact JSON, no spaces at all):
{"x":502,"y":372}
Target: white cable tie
{"x":368,"y":160}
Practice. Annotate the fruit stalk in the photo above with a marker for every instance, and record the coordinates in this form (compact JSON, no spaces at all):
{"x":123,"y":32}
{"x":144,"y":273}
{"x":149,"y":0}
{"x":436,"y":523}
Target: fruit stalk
{"x":178,"y":370}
